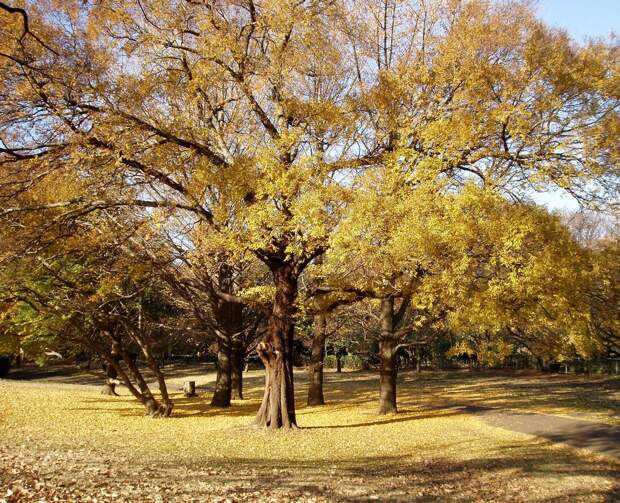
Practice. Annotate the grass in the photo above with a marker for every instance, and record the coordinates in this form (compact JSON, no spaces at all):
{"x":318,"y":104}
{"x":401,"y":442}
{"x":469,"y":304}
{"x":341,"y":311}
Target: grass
{"x":70,"y":440}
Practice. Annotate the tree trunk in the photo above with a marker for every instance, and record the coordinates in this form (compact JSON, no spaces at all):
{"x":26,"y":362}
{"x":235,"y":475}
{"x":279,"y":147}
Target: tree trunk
{"x":315,"y":391}
{"x":238,"y":363}
{"x":153,"y":407}
{"x":387,"y":355}
{"x":277,"y":409}
{"x":109,"y":388}
{"x":229,"y":317}
{"x":223,"y":388}
{"x":338,"y":361}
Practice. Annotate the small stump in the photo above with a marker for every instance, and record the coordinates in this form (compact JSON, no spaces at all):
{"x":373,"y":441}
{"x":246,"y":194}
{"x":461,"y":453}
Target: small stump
{"x":109,"y":388}
{"x":189,"y":388}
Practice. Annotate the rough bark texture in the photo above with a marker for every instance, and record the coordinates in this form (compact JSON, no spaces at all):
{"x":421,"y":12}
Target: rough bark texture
{"x":387,"y":355}
{"x":315,"y":391}
{"x":223,"y":384}
{"x":229,"y":317}
{"x":277,"y":409}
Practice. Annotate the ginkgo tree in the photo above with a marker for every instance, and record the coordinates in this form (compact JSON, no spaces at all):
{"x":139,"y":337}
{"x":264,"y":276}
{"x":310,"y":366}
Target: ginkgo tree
{"x":269,"y":111}
{"x":466,"y":260}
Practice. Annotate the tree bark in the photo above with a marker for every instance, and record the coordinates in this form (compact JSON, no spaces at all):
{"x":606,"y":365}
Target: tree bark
{"x":223,"y":384}
{"x":109,"y":388}
{"x":238,"y":363}
{"x":387,"y":355}
{"x":277,"y":409}
{"x":153,"y":407}
{"x":315,"y":390}
{"x":229,"y":317}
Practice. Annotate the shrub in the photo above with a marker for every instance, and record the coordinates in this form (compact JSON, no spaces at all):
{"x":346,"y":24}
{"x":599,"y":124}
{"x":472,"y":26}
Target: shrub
{"x":353,"y":362}
{"x":329,"y":362}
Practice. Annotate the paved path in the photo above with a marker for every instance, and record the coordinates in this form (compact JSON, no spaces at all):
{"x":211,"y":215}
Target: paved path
{"x":599,"y":437}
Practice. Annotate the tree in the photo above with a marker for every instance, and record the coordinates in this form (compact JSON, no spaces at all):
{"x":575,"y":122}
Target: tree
{"x":269,"y":110}
{"x":88,"y":290}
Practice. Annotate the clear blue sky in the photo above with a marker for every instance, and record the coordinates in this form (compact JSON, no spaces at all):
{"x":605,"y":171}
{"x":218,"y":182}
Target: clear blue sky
{"x":582,"y":18}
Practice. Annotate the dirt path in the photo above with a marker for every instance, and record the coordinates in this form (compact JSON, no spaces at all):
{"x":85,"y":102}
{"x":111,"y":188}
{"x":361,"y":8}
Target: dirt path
{"x":597,"y":437}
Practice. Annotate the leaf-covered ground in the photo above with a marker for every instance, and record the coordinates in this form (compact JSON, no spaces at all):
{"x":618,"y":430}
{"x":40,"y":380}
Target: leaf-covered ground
{"x":68,"y":442}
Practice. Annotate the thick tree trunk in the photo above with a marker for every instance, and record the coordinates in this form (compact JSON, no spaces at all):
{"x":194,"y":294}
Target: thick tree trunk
{"x":223,"y":384}
{"x":230,"y":325}
{"x":315,"y":391}
{"x":387,"y":354}
{"x":277,"y":409}
{"x":388,"y":373}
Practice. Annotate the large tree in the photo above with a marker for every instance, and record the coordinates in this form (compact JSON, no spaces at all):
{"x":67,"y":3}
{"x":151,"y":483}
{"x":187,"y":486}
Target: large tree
{"x":268,"y":110}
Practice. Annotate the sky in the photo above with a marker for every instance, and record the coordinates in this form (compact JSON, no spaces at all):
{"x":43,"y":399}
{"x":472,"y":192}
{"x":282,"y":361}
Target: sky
{"x":582,"y":19}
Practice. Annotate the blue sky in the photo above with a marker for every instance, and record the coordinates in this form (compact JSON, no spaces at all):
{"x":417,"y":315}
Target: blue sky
{"x":582,"y":18}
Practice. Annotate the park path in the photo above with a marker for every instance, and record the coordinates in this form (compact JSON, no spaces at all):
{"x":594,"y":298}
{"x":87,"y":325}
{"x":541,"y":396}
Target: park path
{"x":598,"y":437}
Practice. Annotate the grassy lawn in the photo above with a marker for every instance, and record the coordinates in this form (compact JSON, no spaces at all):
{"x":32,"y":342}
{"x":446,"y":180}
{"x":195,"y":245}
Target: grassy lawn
{"x":68,"y":441}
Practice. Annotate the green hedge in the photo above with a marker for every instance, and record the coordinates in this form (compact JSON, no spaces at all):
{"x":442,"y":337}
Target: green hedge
{"x":351,"y":362}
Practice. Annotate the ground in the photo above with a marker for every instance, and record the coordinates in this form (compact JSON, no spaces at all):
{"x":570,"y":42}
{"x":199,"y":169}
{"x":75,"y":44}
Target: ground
{"x":59,"y":438}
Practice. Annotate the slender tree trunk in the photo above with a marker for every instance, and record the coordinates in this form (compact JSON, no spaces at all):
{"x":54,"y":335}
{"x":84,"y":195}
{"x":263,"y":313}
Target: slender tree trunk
{"x":338,"y":361}
{"x":153,"y":407}
{"x":109,"y":388}
{"x":161,"y":381}
{"x":223,"y":381}
{"x":387,"y":355}
{"x":277,"y":409}
{"x":238,"y":363}
{"x":237,"y":350}
{"x":315,"y":391}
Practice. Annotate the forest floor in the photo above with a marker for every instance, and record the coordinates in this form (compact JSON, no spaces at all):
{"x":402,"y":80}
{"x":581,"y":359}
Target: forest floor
{"x":459,"y":436}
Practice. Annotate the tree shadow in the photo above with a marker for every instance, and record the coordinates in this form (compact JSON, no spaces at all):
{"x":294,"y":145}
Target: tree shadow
{"x":503,"y":476}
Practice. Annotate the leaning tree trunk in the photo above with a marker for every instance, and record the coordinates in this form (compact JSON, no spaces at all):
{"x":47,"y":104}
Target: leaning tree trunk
{"x":277,"y":409}
{"x":166,"y":408}
{"x":315,"y":391}
{"x":387,"y":355}
{"x":153,"y":407}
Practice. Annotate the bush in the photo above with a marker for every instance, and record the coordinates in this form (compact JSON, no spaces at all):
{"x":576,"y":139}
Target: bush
{"x":353,"y":362}
{"x":5,"y":365}
{"x":329,"y":362}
